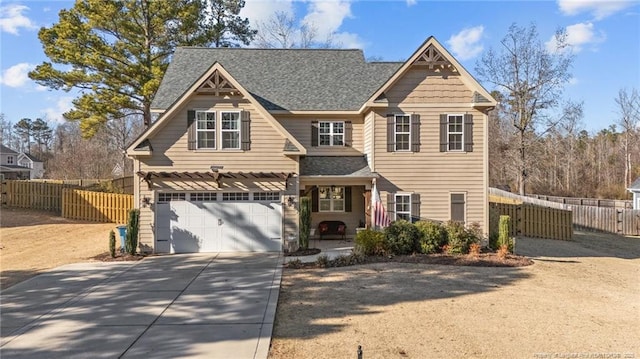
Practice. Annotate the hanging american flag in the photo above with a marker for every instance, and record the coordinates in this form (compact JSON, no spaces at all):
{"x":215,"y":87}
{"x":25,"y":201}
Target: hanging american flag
{"x":380,"y":218}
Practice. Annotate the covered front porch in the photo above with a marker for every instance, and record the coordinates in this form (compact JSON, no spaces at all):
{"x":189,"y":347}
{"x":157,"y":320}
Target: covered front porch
{"x":340,"y":192}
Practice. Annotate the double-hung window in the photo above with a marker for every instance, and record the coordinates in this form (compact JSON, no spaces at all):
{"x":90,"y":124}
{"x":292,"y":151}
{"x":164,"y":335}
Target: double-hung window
{"x":331,"y":199}
{"x":331,"y":133}
{"x":230,"y":130}
{"x":455,"y":132}
{"x":403,"y":206}
{"x":403,"y":132}
{"x":206,"y":129}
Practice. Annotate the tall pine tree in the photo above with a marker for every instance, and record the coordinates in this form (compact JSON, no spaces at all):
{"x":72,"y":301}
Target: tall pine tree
{"x":116,"y":52}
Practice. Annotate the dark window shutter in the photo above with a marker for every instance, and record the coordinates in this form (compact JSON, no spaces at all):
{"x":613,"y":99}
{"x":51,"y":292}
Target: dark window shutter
{"x":391,"y":136}
{"x":314,"y":200}
{"x":468,"y":133}
{"x":443,"y":133}
{"x":457,"y":207}
{"x":348,"y":133}
{"x":314,"y":133}
{"x":191,"y":130}
{"x":415,"y":207}
{"x":347,"y":199}
{"x":391,"y":206}
{"x":245,"y":130}
{"x":415,"y":133}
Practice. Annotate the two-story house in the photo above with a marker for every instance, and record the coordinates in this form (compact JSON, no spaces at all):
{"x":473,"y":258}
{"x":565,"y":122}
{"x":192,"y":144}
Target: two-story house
{"x":244,"y":133}
{"x":10,"y":167}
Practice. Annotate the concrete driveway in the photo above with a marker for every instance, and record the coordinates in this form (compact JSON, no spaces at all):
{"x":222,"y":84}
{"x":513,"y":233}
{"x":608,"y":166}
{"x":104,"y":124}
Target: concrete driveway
{"x":214,"y":306}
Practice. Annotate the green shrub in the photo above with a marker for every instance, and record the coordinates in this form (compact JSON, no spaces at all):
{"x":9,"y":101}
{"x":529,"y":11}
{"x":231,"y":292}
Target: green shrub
{"x":112,"y":243}
{"x":305,"y":222}
{"x":402,"y":237}
{"x":370,"y":243}
{"x":322,"y":261}
{"x":503,"y":236}
{"x":131,"y":240}
{"x":460,"y":238}
{"x":432,"y":236}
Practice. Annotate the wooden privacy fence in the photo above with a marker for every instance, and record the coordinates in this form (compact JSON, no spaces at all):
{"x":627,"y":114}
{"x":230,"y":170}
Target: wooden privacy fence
{"x":96,"y":206}
{"x":595,"y":202}
{"x":535,"y":221}
{"x":612,"y":220}
{"x":34,"y":195}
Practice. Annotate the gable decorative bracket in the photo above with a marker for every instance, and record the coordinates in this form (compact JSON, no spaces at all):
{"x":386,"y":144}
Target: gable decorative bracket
{"x":434,"y":60}
{"x":218,"y":85}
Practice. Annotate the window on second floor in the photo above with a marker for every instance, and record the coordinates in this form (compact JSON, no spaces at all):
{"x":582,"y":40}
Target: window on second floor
{"x":403,"y":132}
{"x":331,"y":133}
{"x":230,"y":130}
{"x":9,"y":160}
{"x":455,"y":132}
{"x":206,"y":129}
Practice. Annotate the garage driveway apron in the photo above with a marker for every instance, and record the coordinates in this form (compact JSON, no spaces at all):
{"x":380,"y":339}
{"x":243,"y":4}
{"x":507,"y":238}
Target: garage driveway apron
{"x":200,"y":305}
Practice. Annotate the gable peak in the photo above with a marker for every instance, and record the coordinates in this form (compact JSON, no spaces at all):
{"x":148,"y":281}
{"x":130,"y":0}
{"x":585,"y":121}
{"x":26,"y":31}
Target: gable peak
{"x":217,"y":85}
{"x":434,"y":60}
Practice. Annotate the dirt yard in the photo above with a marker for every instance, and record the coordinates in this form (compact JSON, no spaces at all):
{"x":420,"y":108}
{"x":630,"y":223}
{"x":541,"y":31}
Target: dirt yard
{"x":580,"y":299}
{"x":32,"y":241}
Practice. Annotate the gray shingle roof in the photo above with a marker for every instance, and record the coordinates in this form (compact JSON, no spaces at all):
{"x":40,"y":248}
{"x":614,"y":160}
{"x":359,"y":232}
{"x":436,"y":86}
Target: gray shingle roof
{"x":31,"y":157}
{"x":635,"y":184}
{"x":6,"y":150}
{"x":351,"y":166}
{"x":282,"y":79}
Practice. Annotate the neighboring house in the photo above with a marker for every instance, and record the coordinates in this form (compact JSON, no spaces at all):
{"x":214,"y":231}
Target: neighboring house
{"x":244,"y":133}
{"x":10,"y":167}
{"x":35,"y":165}
{"x":634,"y":188}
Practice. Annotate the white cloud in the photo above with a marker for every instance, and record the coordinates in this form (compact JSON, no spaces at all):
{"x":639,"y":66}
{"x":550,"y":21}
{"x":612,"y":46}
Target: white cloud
{"x":574,"y":81}
{"x":327,"y":16}
{"x":12,"y":19}
{"x":598,"y":8}
{"x":260,"y":10}
{"x":411,"y":2}
{"x":465,"y":44}
{"x":16,"y":75}
{"x":578,"y":36}
{"x":63,"y":104}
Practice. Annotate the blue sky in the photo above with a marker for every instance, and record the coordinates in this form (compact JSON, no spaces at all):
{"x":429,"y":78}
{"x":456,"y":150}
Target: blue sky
{"x":605,"y":36}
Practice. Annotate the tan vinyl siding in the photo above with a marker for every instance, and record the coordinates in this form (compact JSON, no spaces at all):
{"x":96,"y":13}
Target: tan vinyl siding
{"x":419,"y":85}
{"x":300,"y":128}
{"x":368,"y":138}
{"x":431,"y":173}
{"x":170,"y":144}
{"x":171,"y":154}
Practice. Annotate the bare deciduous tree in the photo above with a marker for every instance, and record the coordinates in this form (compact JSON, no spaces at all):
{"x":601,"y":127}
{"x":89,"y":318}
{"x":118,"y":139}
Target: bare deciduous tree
{"x":530,"y":79}
{"x":629,"y":111}
{"x":282,"y":30}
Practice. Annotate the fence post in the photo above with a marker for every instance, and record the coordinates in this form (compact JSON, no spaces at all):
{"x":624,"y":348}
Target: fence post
{"x":359,"y":351}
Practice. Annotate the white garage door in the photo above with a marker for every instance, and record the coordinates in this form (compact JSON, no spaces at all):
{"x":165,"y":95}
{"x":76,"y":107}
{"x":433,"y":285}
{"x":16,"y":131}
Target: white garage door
{"x":190,"y":222}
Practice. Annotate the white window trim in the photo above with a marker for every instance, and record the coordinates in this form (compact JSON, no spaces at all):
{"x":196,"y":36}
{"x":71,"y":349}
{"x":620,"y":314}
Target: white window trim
{"x":239,"y":130}
{"x":215,"y":130}
{"x":395,"y":204}
{"x":332,"y":200}
{"x":465,"y":205}
{"x":331,"y":133}
{"x":396,"y":133}
{"x":461,"y":133}
{"x":179,"y":196}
